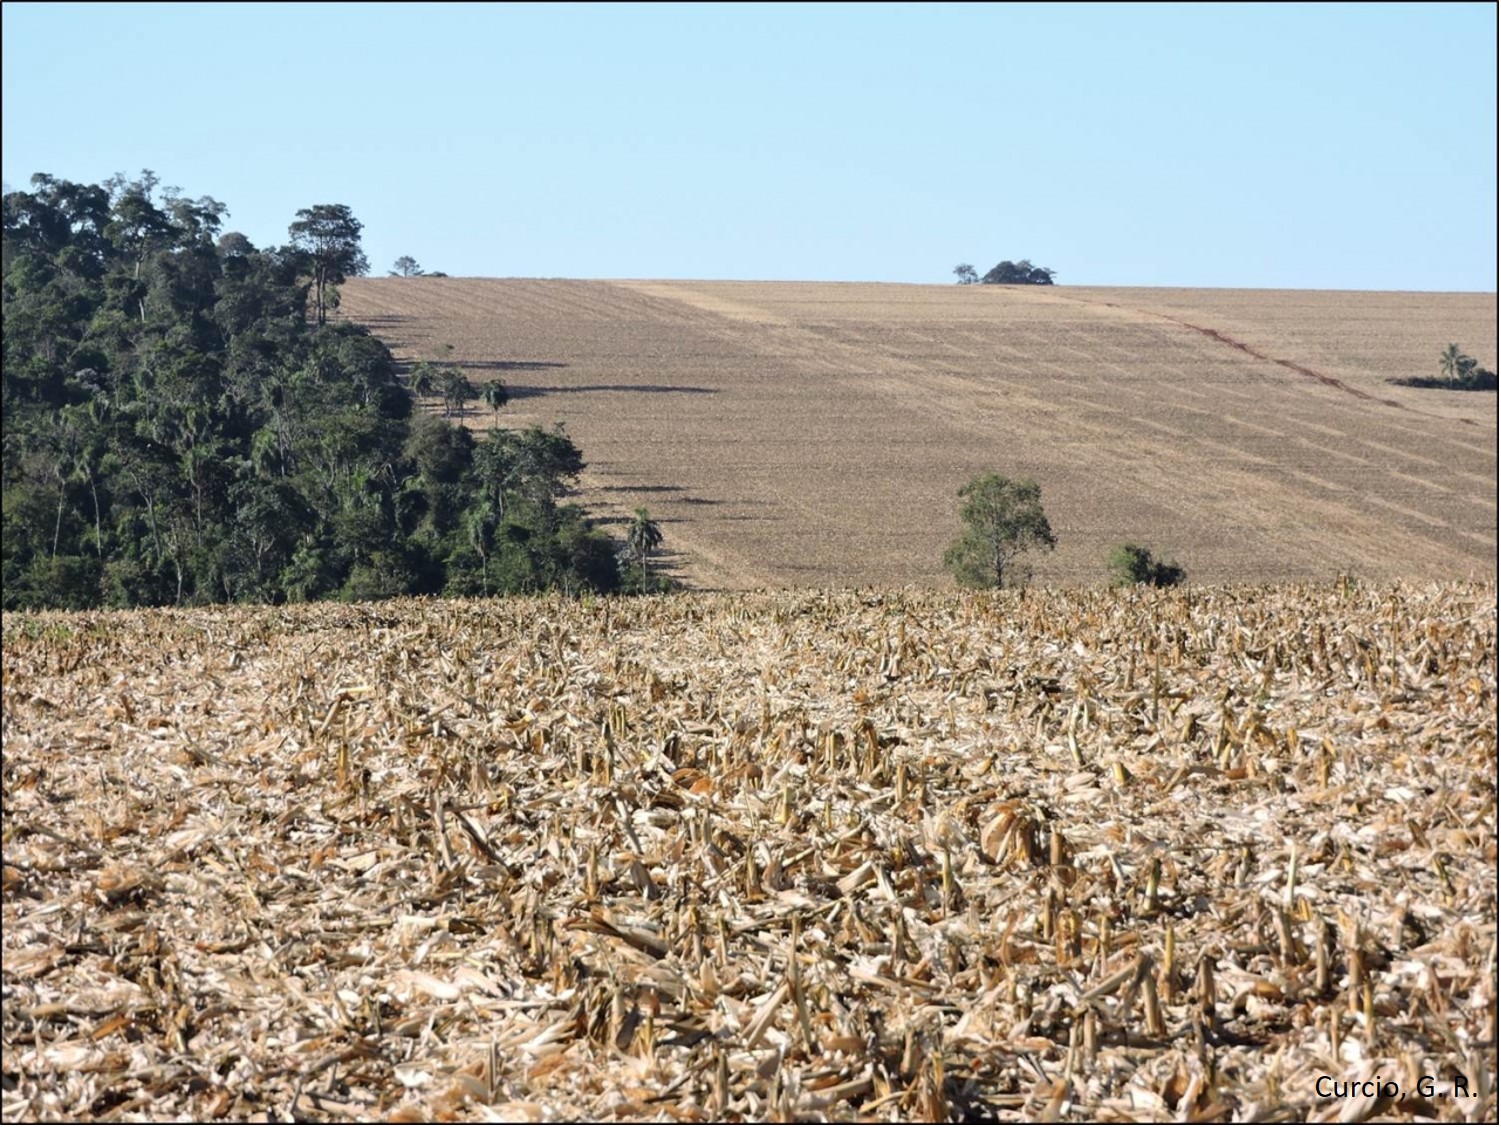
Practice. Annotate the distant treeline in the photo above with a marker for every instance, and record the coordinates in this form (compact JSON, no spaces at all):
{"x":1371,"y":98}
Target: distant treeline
{"x":1006,"y":273}
{"x":182,"y":425}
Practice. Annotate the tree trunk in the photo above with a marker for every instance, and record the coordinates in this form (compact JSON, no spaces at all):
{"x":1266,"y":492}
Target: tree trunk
{"x":98,"y":534}
{"x":57,"y":526}
{"x":156,"y":540}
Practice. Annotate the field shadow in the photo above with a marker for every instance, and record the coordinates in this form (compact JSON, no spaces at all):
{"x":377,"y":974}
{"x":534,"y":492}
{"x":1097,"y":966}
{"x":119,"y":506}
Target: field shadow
{"x":510,"y":365}
{"x":644,"y":388}
{"x":1480,"y":381}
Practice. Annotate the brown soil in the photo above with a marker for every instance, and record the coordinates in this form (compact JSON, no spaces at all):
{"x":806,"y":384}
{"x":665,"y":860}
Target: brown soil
{"x":814,"y":434}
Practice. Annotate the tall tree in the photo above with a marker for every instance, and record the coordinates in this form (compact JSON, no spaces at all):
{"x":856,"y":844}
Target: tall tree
{"x":328,"y":235}
{"x":496,"y":396}
{"x":457,"y":389}
{"x":406,"y":267}
{"x":966,"y":274}
{"x":1002,"y":519}
{"x":645,"y":537}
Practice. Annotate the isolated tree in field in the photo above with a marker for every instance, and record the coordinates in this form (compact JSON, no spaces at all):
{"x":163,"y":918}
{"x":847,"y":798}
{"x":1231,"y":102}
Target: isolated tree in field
{"x":496,"y":396}
{"x":966,"y":274}
{"x":406,"y":267}
{"x":328,"y":235}
{"x":1002,"y":519}
{"x":1132,"y":564}
{"x":645,"y":537}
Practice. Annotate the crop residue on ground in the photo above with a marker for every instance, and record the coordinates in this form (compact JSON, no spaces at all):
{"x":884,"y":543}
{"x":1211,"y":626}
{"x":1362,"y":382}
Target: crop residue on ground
{"x":1095,"y":855}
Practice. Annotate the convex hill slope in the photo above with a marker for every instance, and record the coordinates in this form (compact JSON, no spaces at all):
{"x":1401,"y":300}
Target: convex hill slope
{"x":815,"y":434}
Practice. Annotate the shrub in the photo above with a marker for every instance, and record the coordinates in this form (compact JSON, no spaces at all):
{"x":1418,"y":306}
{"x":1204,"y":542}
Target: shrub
{"x":1132,"y":564}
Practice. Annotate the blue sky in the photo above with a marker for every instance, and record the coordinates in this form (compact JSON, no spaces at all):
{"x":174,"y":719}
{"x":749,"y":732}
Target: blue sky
{"x":1324,"y":146}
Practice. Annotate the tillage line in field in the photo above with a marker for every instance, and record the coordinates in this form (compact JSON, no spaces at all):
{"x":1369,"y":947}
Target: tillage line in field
{"x":1291,"y":366}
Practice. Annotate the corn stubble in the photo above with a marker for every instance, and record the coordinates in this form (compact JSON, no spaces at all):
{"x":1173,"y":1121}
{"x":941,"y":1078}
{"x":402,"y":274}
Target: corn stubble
{"x":1067,"y":856}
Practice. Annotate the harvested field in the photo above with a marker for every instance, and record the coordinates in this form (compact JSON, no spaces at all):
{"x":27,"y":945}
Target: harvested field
{"x":814,"y":434}
{"x":1086,"y":856}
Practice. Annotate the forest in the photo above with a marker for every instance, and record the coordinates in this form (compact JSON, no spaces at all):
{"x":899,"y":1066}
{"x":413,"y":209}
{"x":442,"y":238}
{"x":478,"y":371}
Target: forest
{"x":183,"y":424}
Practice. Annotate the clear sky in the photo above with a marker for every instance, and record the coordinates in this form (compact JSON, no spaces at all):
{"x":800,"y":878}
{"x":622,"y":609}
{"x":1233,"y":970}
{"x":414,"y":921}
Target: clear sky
{"x":1348,"y":146}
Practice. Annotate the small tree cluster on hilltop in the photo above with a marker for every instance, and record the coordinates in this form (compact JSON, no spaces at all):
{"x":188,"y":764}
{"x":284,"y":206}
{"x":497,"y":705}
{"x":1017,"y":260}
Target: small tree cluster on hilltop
{"x":406,"y":267}
{"x":1006,"y":273}
{"x":1021,"y":273}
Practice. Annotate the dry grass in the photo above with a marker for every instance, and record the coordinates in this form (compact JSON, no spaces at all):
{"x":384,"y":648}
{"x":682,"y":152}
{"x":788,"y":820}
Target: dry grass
{"x":1087,"y":856}
{"x":815,"y":434}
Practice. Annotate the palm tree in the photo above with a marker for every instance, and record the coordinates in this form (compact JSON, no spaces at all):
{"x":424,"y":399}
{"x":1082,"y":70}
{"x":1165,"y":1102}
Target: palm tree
{"x":1449,"y":362}
{"x":422,"y":380}
{"x":457,"y":390}
{"x":496,"y":397}
{"x":644,"y":538}
{"x":481,"y":522}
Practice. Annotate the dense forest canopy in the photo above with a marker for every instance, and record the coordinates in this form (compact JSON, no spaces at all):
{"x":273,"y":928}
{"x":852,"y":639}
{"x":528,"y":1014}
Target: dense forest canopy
{"x":182,"y":425}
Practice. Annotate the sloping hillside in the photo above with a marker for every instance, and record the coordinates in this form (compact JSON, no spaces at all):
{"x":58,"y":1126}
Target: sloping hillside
{"x":816,"y":433}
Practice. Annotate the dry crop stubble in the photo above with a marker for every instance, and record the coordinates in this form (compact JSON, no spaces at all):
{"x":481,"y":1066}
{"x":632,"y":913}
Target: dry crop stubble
{"x":808,"y":434}
{"x":815,"y":856}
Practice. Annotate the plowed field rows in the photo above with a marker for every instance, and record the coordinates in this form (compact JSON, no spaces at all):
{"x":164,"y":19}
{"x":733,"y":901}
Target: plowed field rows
{"x":812,"y":434}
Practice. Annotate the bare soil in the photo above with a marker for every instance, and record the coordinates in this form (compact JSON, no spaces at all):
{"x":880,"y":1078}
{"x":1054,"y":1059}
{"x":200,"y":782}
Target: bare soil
{"x":815,"y":434}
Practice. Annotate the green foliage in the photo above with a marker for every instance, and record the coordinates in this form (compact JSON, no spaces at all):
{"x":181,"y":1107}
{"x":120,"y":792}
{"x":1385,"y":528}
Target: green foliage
{"x":327,"y":237}
{"x":456,"y":388}
{"x":1002,"y":519}
{"x":644,"y":538}
{"x":1021,"y":273}
{"x":1132,"y":564}
{"x":1457,"y":372}
{"x":496,"y":397}
{"x":966,"y":275}
{"x":177,"y":431}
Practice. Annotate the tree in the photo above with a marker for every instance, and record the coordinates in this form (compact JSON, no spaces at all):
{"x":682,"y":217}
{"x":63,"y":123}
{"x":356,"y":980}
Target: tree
{"x":328,"y":235}
{"x":1133,"y":564}
{"x":1449,"y":361}
{"x":1002,"y":519}
{"x":178,"y":429}
{"x":457,"y":390}
{"x":406,"y":267}
{"x":423,"y":380}
{"x":496,"y":397}
{"x":966,"y":274}
{"x":645,"y":537}
{"x":1023,"y":273}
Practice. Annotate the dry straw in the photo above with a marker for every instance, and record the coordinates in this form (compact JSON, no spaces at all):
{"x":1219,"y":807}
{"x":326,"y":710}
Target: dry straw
{"x":1084,"y":856}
